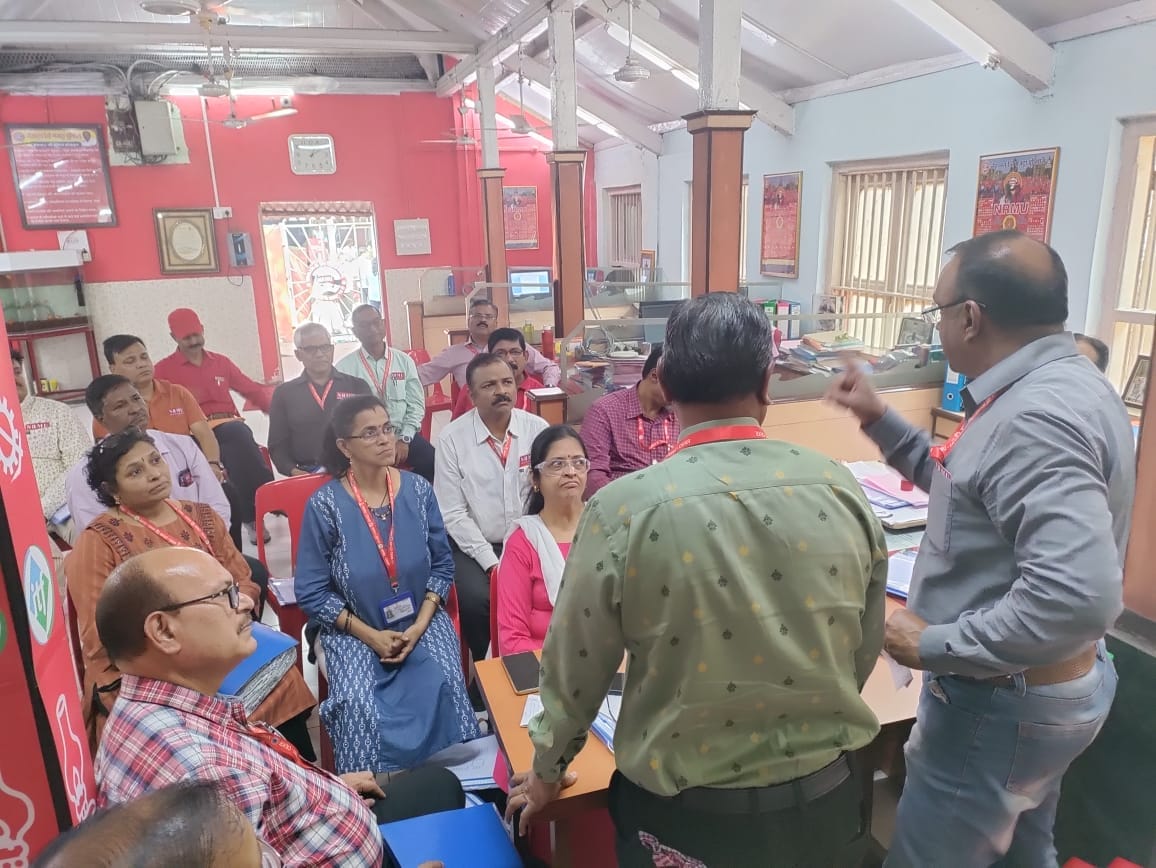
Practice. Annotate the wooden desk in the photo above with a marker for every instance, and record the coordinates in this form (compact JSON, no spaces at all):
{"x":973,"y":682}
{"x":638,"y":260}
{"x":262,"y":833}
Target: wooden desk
{"x":594,"y":764}
{"x":944,"y":423}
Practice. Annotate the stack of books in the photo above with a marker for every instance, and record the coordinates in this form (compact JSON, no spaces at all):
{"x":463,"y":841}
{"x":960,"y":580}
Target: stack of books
{"x":826,"y":351}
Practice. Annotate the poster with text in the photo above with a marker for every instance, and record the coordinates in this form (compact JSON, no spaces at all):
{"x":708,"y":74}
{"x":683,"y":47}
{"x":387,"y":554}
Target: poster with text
{"x":779,"y":251}
{"x":520,"y":207}
{"x":1017,"y":191}
{"x":61,"y":176}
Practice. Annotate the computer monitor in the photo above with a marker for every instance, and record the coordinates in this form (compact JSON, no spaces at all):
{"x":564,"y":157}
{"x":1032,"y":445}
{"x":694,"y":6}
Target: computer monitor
{"x":656,"y":310}
{"x":529,"y":282}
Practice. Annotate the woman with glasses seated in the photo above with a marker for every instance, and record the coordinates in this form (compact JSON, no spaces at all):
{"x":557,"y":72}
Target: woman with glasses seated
{"x":534,"y":555}
{"x":374,"y":569}
{"x":132,"y":479}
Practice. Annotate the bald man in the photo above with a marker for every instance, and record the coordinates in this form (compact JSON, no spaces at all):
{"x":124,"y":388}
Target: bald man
{"x":189,"y":823}
{"x":176,"y":625}
{"x":1020,"y":572}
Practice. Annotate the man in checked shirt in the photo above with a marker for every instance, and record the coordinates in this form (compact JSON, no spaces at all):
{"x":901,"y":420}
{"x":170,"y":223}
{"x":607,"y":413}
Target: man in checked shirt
{"x":176,"y":626}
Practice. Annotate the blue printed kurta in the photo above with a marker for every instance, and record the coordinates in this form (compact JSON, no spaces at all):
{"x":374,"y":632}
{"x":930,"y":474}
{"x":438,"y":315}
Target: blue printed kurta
{"x":383,"y":717}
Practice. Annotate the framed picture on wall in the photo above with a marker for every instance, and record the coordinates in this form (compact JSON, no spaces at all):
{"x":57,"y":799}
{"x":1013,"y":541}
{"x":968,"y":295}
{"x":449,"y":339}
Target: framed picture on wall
{"x":60,"y":172}
{"x":779,"y":248}
{"x":186,"y":240}
{"x":646,"y":266}
{"x":520,"y":210}
{"x":1137,"y":386}
{"x":1017,"y":191}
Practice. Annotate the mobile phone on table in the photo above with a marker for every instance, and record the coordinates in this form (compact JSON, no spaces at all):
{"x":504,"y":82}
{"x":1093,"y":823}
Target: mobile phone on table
{"x":522,"y":670}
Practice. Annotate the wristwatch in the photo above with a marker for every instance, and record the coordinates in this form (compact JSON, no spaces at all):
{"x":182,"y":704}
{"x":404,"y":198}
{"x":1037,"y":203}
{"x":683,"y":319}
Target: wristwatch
{"x":405,"y":438}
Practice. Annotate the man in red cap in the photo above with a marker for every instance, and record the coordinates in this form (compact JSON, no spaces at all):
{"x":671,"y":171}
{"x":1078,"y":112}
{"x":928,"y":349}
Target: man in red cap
{"x":212,"y":378}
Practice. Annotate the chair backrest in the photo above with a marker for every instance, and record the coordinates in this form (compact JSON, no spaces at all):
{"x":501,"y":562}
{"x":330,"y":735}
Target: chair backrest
{"x":434,"y":391}
{"x":494,"y":649}
{"x":288,"y":496}
{"x":419,"y":356}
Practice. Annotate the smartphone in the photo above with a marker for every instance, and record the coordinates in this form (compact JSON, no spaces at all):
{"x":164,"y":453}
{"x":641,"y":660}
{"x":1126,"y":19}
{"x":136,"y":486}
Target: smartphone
{"x":617,"y":685}
{"x":522,"y":670}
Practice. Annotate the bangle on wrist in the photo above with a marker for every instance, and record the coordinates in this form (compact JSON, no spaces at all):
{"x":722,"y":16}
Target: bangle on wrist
{"x":433,"y":598}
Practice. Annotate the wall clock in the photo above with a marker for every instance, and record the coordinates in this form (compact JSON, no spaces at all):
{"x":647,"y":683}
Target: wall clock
{"x":312,"y":155}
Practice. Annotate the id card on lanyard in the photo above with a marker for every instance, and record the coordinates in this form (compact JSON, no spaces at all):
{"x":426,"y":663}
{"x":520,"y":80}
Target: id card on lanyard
{"x":379,"y":386}
{"x":655,"y":446}
{"x":398,"y":607}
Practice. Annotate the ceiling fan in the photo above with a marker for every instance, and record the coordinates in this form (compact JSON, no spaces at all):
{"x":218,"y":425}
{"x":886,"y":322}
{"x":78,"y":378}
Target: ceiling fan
{"x":523,"y":126}
{"x":191,"y":8}
{"x":631,"y":70}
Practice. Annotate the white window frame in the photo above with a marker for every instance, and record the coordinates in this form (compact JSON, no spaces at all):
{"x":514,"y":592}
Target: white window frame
{"x":1114,"y":320}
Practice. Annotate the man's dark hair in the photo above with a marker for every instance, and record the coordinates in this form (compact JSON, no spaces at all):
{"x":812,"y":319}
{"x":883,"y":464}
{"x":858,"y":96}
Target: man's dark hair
{"x":98,"y":390}
{"x":181,"y":824}
{"x":362,"y":307}
{"x":1014,"y":294}
{"x":100,"y":472}
{"x":652,"y":360}
{"x":118,"y":344}
{"x":717,"y":348}
{"x":1098,"y":347}
{"x":129,"y":596}
{"x":505,"y":334}
{"x":481,"y":301}
{"x":340,"y":427}
{"x":480,"y":361}
{"x":17,"y":356}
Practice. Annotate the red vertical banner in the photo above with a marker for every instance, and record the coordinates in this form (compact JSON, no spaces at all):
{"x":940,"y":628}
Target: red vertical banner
{"x":779,"y":253}
{"x":46,"y":779}
{"x":520,"y":207}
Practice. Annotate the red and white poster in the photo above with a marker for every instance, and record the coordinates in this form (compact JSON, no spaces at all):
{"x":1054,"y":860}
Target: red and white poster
{"x":520,"y":207}
{"x":61,"y":176}
{"x":1017,"y":191}
{"x":46,"y":780}
{"x":779,"y":251}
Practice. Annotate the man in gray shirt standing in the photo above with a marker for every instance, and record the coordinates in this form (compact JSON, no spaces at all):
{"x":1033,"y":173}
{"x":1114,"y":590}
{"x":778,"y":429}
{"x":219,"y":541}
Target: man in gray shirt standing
{"x":1020,"y":572}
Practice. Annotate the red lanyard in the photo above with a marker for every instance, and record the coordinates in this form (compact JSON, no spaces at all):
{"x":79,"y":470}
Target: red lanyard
{"x":270,"y":738}
{"x":167,"y":537}
{"x":320,"y":399}
{"x":718,"y":435}
{"x":940,"y":451}
{"x":388,"y":551}
{"x":505,"y":451}
{"x":523,"y":403}
{"x":378,"y":385}
{"x":666,"y":436}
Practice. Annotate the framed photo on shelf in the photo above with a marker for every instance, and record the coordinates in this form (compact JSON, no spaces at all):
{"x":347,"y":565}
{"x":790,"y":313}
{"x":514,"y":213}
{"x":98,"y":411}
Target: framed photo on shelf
{"x":914,"y":331}
{"x":779,"y":247}
{"x":1017,"y":191}
{"x":827,"y":304}
{"x":186,"y":240}
{"x":1137,"y":386}
{"x":646,"y":266}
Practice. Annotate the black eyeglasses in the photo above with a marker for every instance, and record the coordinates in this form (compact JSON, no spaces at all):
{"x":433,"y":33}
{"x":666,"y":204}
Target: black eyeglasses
{"x":935,"y":314}
{"x":316,"y":350}
{"x":373,"y":434}
{"x":233,"y":592}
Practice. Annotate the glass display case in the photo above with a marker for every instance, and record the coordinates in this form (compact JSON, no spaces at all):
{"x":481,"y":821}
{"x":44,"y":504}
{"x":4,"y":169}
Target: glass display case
{"x":600,"y":356}
{"x":42,"y":295}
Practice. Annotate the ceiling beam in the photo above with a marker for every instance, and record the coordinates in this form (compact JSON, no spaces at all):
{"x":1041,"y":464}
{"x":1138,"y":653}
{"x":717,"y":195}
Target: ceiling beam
{"x":1136,"y":12}
{"x":991,"y":35}
{"x":93,"y":34}
{"x":387,"y":14}
{"x":529,"y":19}
{"x":430,"y":16}
{"x":631,"y":129}
{"x":771,"y":109}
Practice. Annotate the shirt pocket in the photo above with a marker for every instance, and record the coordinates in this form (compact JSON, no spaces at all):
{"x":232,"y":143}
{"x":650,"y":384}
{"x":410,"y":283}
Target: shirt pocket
{"x":941,"y":506}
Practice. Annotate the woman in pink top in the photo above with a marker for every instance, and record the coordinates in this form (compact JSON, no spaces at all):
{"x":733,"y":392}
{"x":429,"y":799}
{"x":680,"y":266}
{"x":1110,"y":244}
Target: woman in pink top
{"x":534,"y":555}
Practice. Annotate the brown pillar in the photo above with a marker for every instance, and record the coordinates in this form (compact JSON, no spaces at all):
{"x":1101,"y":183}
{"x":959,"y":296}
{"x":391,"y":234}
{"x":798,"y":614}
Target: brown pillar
{"x":716,"y":199}
{"x":569,"y":240}
{"x":494,"y":228}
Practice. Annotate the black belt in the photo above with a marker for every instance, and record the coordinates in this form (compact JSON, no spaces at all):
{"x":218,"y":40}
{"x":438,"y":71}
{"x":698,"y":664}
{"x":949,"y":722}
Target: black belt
{"x":763,"y":800}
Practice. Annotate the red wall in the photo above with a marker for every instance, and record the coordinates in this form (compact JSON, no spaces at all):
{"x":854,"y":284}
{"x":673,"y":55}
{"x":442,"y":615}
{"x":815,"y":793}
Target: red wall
{"x":380,"y":158}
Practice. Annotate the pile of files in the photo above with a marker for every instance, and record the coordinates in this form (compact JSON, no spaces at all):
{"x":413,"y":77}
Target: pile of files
{"x":824,"y":351}
{"x":897,"y":504}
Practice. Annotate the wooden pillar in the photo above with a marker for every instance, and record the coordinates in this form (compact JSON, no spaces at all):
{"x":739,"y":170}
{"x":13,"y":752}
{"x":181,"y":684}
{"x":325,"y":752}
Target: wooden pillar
{"x":494,"y":227}
{"x":1140,"y":565}
{"x":716,"y":199}
{"x":569,"y":241}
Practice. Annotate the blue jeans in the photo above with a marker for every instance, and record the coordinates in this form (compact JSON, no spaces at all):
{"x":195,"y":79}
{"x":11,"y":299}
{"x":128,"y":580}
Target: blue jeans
{"x":984,"y":766}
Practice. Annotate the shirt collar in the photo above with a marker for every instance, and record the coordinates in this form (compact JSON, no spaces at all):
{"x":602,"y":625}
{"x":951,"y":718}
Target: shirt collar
{"x":717,"y":423}
{"x":215,"y":709}
{"x":1018,"y":365}
{"x":482,"y":433}
{"x":633,"y":406}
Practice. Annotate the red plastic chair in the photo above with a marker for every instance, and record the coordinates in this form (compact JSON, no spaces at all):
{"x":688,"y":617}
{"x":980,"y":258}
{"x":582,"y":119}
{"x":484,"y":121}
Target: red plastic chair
{"x":435,"y":396}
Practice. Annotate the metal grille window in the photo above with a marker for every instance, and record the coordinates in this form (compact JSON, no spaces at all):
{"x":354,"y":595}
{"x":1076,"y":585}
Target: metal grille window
{"x":1130,"y":293}
{"x":624,"y":213}
{"x":886,"y":241}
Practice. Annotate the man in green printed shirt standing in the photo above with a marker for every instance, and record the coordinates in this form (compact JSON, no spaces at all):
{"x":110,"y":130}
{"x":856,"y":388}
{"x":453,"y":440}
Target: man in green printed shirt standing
{"x":745,"y":579}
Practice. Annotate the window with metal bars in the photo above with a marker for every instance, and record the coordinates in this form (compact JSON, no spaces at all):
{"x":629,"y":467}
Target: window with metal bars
{"x":1130,"y":291}
{"x":624,"y":225}
{"x":886,"y":241}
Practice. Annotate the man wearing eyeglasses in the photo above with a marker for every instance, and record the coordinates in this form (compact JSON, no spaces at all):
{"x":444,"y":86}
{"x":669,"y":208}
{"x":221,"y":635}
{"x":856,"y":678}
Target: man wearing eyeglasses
{"x":177,"y":625}
{"x":510,"y":345}
{"x":481,"y":321}
{"x":300,"y":408}
{"x":392,"y":376}
{"x":1020,"y":572}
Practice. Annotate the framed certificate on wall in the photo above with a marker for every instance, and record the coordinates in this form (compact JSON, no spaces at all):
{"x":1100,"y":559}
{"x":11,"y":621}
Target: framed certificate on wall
{"x":61,"y":175}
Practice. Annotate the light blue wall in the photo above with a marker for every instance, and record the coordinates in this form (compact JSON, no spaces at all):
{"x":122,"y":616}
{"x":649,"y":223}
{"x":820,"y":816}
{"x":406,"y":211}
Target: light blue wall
{"x":1100,"y":80}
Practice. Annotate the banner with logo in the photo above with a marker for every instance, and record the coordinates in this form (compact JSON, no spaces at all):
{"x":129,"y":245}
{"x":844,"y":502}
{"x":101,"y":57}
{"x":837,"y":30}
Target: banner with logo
{"x":520,"y":207}
{"x":782,"y":209}
{"x":1017,"y":191}
{"x":46,"y":780}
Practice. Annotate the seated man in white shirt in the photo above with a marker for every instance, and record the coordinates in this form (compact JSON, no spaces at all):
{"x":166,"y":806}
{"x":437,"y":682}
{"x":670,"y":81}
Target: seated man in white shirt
{"x":116,"y":404}
{"x":482,"y":479}
{"x":56,"y":441}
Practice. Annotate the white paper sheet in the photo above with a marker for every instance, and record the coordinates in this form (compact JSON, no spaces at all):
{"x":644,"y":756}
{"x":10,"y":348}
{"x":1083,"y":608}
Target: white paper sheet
{"x":472,"y":762}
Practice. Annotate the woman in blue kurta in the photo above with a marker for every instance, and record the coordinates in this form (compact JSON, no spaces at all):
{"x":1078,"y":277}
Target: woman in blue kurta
{"x":373,"y":570}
